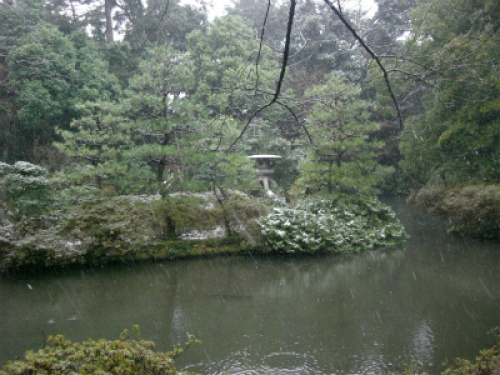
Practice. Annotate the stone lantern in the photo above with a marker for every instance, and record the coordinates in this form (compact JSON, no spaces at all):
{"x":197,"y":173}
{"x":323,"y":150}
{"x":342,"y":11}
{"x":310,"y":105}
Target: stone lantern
{"x":264,"y":171}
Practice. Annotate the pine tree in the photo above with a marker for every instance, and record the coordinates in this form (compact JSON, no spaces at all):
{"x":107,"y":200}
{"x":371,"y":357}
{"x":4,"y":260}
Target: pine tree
{"x":342,"y":157}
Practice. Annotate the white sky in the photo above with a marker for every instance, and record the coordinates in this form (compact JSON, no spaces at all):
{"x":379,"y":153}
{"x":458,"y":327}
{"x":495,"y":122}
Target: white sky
{"x":219,"y":5}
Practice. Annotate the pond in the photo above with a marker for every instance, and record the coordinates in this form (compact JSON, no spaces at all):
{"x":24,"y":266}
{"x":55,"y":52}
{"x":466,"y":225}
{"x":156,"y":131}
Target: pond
{"x":432,"y":299}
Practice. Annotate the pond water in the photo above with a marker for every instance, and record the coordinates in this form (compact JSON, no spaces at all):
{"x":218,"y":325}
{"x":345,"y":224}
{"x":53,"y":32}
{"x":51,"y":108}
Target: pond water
{"x":433,"y":298}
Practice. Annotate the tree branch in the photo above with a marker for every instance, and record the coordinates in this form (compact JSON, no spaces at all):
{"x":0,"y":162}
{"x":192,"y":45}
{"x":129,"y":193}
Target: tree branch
{"x":262,"y":33}
{"x":286,"y":53}
{"x":340,"y":15}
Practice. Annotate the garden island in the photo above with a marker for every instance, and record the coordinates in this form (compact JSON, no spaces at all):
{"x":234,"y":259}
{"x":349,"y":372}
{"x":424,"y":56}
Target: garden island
{"x":145,"y":132}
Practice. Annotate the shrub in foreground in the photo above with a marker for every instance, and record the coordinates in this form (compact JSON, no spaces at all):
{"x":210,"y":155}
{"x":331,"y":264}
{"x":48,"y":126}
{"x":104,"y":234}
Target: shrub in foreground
{"x":123,"y":356}
{"x":487,"y":363}
{"x":337,"y":224}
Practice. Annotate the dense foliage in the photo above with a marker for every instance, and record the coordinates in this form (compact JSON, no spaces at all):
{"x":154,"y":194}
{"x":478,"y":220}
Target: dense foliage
{"x":127,"y":355}
{"x":456,"y":137}
{"x":343,"y":158}
{"x":133,"y":355}
{"x":472,"y":210}
{"x":335,"y":224}
{"x":116,"y":114}
{"x":123,"y":356}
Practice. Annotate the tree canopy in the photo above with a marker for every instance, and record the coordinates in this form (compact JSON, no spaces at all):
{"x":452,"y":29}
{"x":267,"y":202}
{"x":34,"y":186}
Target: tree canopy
{"x":132,"y":97}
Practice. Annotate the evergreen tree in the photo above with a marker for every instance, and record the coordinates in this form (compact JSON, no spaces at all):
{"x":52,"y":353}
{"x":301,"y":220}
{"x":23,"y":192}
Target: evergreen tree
{"x":50,"y":73}
{"x":95,"y":144}
{"x":342,"y":157}
{"x":235,"y":75}
{"x":164,"y":120}
{"x":160,"y":22}
{"x":389,"y":26}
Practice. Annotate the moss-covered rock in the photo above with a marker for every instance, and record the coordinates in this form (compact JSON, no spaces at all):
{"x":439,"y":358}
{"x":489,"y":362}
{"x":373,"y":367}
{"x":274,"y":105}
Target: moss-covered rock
{"x":474,"y":210}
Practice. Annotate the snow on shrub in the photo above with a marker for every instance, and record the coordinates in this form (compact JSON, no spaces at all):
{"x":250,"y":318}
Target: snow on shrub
{"x":337,"y":224}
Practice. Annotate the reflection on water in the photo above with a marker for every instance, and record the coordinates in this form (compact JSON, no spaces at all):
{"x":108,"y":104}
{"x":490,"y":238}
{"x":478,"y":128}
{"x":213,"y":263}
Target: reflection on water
{"x":432,"y":299}
{"x":423,"y":343}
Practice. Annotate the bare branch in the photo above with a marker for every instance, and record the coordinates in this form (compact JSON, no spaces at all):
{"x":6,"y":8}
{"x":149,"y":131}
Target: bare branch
{"x":292,"y":112}
{"x":286,"y":53}
{"x":262,"y":33}
{"x":340,"y":15}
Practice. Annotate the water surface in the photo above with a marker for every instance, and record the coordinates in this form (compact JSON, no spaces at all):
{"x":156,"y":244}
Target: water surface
{"x":433,"y":298}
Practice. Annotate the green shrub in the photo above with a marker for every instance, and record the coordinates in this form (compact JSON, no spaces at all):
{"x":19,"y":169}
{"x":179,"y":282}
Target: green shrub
{"x":474,"y":210}
{"x":487,"y":363}
{"x":337,"y":224}
{"x":123,"y":356}
{"x":24,"y":188}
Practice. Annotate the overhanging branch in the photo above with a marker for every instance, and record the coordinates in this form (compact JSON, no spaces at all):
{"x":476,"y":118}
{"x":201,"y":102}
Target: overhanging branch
{"x":286,"y":54}
{"x":262,"y":33}
{"x":340,"y":15}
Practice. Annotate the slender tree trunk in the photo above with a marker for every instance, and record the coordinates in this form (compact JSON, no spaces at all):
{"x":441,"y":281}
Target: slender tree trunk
{"x":330,"y":187}
{"x":98,"y":161}
{"x":108,"y":10}
{"x":338,"y":163}
{"x":163,"y":161}
{"x":225,"y":214}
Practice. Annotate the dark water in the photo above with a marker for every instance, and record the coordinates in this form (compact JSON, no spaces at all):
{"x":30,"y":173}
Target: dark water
{"x":433,"y":298}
